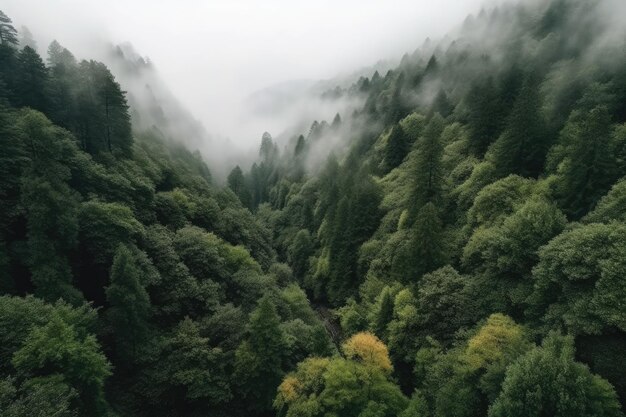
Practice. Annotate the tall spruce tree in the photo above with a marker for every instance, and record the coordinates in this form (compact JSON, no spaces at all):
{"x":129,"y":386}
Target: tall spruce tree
{"x":237,"y":183}
{"x":428,"y":243}
{"x":484,"y":115}
{"x":384,"y":314}
{"x":50,"y":205}
{"x":522,"y":147}
{"x":31,"y":80}
{"x":589,"y":168}
{"x":397,"y":147}
{"x":428,"y":175}
{"x":259,"y":358}
{"x":129,"y":305}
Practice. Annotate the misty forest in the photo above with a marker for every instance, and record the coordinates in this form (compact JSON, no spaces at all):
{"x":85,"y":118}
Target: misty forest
{"x":451,"y":243}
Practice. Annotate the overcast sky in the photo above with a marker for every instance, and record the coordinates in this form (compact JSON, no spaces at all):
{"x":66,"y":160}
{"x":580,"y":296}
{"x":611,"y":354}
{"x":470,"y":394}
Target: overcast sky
{"x":213,"y":54}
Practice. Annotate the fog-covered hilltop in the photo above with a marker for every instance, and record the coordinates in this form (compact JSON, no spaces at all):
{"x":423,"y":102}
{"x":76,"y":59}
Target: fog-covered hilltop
{"x":447,"y":239}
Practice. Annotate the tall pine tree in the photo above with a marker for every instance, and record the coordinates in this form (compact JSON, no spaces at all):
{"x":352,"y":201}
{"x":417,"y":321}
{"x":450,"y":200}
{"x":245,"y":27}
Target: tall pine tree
{"x":129,"y":305}
{"x":522,"y":147}
{"x":428,"y":175}
{"x":31,"y":80}
{"x":397,"y":147}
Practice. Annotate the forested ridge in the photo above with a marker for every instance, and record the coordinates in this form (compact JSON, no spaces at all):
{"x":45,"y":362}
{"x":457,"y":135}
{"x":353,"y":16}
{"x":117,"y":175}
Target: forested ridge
{"x":459,"y":249}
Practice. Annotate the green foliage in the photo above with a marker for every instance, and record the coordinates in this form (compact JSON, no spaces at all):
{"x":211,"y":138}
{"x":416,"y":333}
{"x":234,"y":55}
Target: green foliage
{"x":103,"y":226}
{"x":44,"y":396}
{"x":384,"y":313}
{"x":57,"y":348}
{"x":439,"y":222}
{"x":428,"y":174}
{"x":578,"y":279}
{"x":129,"y":305}
{"x":299,"y":253}
{"x":587,"y":166}
{"x":32,"y":81}
{"x":237,"y":183}
{"x":485,"y":115}
{"x":428,"y":251}
{"x":522,"y":147}
{"x":51,"y":206}
{"x":503,"y":256}
{"x":444,"y":303}
{"x":189,"y":375}
{"x":354,"y":221}
{"x":547,"y":381}
{"x":8,"y":34}
{"x":346,"y":387}
{"x":259,"y":358}
{"x":397,"y":147}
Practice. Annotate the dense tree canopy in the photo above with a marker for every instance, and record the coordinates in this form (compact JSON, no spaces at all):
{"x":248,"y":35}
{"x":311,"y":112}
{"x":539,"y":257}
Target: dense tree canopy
{"x":452,"y":244}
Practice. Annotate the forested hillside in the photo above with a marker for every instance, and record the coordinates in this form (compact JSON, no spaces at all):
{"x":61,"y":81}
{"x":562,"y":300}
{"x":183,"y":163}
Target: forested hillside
{"x":454,"y":247}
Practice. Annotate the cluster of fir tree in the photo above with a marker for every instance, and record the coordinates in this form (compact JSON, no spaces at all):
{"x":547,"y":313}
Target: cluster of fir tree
{"x":475,"y":225}
{"x":130,"y":285}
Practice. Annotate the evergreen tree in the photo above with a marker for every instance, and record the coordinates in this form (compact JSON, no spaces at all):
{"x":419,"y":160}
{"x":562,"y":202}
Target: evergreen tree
{"x":397,"y":147}
{"x":129,"y":305}
{"x":237,"y":183}
{"x":259,"y":358}
{"x":428,"y":175}
{"x":548,"y":382}
{"x":8,"y":34}
{"x":432,"y":66}
{"x":31,"y":80}
{"x":397,"y":107}
{"x":26,"y":38}
{"x":428,"y":250}
{"x":356,"y":218}
{"x":103,"y":119}
{"x":442,"y":104}
{"x":336,"y":124}
{"x":300,"y":144}
{"x":59,"y":348}
{"x":384,"y":315}
{"x":588,"y":168}
{"x":484,"y":115}
{"x":299,"y":253}
{"x":190,"y":376}
{"x":268,"y":151}
{"x":116,"y":116}
{"x":63,"y":78}
{"x":51,"y":207}
{"x":522,"y":147}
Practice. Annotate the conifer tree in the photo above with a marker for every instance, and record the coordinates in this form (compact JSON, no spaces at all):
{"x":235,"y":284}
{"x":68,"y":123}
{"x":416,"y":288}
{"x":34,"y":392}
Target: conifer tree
{"x":129,"y":305}
{"x":103,"y":119}
{"x":384,"y":315}
{"x":428,"y":175}
{"x":8,"y":33}
{"x":51,"y":207}
{"x":259,"y":358}
{"x":31,"y":80}
{"x":428,"y":245}
{"x":548,"y":382}
{"x":589,"y":168}
{"x":397,"y":147}
{"x":442,"y":104}
{"x":237,"y":183}
{"x":299,"y":253}
{"x":484,"y":115}
{"x":522,"y":147}
{"x":300,"y":145}
{"x":432,"y":66}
